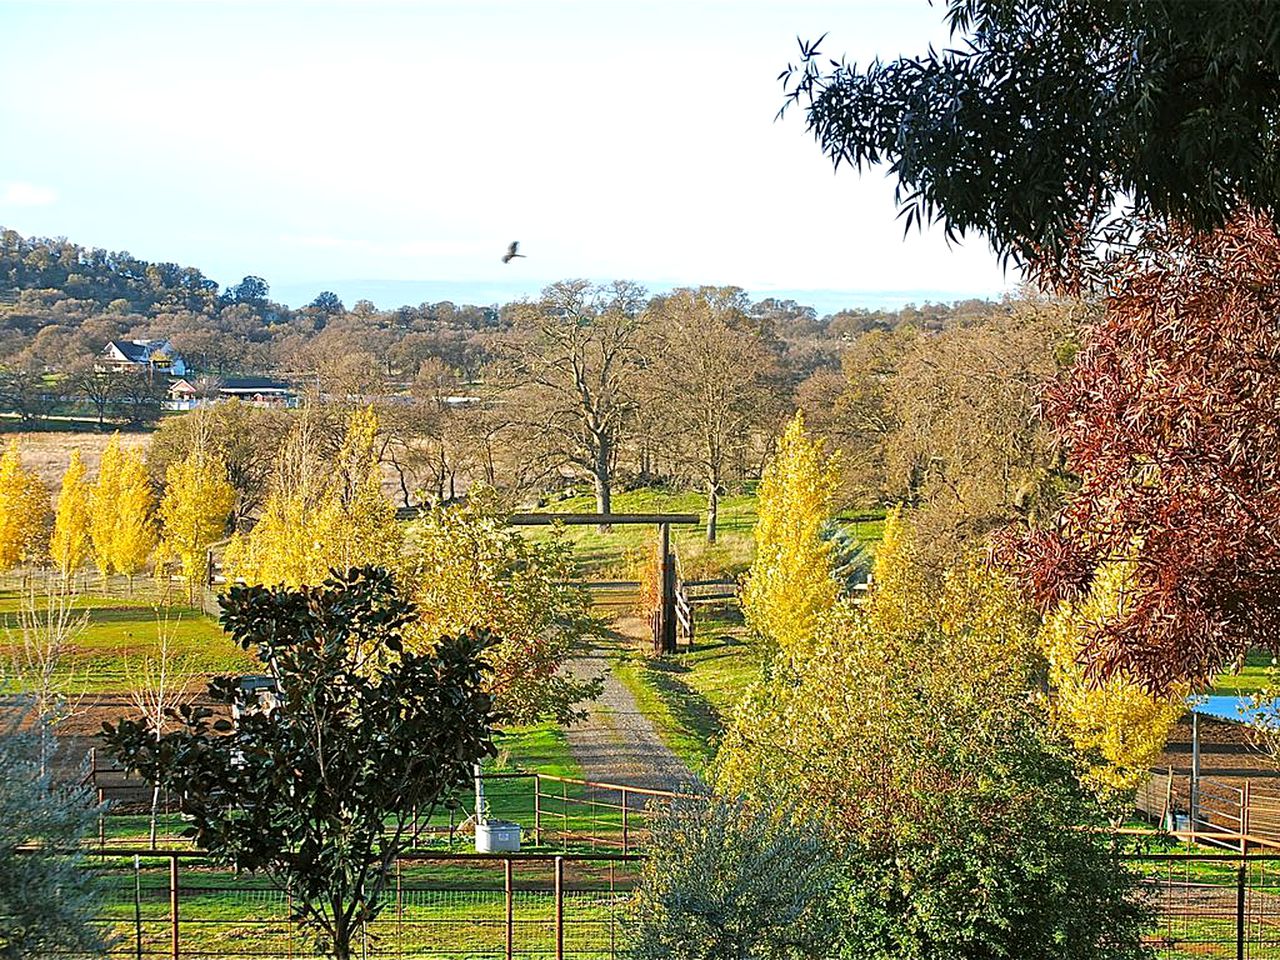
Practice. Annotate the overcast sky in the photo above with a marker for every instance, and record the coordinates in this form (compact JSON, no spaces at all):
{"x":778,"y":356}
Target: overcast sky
{"x":393,"y":150}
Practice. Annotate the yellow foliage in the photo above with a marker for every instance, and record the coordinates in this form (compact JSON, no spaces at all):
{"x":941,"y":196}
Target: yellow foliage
{"x":135,"y":535}
{"x":320,"y":515}
{"x":901,"y":592}
{"x":24,"y":512}
{"x":197,"y":501}
{"x":70,"y":546}
{"x":103,"y":505}
{"x":467,"y":568}
{"x":866,"y":723}
{"x":1117,"y":726}
{"x":790,"y":582}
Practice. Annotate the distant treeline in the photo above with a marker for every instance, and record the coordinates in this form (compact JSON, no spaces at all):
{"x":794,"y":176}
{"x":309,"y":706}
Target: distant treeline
{"x":61,"y":302}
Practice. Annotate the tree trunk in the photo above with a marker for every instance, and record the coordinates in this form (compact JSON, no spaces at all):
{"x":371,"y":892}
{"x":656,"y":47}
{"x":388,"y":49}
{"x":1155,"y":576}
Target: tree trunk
{"x":713,"y":509}
{"x":603,"y":498}
{"x":601,"y":475}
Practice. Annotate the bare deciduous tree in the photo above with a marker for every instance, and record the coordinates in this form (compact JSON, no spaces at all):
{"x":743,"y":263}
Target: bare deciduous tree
{"x":576,"y":357}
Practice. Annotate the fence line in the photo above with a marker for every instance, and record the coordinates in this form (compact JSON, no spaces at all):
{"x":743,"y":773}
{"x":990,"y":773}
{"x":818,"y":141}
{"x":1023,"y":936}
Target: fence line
{"x":176,"y":904}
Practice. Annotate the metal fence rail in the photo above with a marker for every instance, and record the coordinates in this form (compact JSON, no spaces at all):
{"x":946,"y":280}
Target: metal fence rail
{"x":174,"y":904}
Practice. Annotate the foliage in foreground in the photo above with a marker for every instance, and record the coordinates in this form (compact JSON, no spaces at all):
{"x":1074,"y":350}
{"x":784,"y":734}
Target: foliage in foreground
{"x":726,"y":882}
{"x":320,"y":792}
{"x":1168,"y":418}
{"x":47,"y":899}
{"x":925,"y":744}
{"x":1042,"y":118}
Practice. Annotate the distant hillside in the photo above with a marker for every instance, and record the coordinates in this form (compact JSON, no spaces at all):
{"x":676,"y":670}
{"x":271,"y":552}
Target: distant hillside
{"x":61,"y":302}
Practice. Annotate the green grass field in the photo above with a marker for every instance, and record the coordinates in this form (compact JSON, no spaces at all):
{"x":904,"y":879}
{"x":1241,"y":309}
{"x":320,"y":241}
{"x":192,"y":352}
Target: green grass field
{"x":690,"y":697}
{"x":116,"y":633}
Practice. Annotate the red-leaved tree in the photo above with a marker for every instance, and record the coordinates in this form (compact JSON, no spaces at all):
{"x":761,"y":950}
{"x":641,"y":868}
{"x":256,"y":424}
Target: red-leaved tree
{"x":1171,"y":419}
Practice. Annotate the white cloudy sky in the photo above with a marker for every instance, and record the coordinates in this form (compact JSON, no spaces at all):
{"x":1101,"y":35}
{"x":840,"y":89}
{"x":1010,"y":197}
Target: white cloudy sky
{"x":366,"y":147}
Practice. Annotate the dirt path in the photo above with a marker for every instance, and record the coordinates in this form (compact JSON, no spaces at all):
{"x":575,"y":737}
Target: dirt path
{"x":617,"y":743}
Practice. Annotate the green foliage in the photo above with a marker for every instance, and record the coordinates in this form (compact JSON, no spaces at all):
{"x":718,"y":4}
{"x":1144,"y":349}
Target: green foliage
{"x":48,"y":897}
{"x":724,"y":881}
{"x":924,"y":742}
{"x":467,"y":568}
{"x":1040,"y":119}
{"x":320,"y":792}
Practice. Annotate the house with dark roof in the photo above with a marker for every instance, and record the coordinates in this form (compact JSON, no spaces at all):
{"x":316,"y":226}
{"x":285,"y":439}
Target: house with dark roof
{"x":259,"y":391}
{"x":141,"y":356}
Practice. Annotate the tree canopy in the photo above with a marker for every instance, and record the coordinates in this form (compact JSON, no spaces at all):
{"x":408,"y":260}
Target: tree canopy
{"x":1042,"y":118}
{"x":320,"y":792}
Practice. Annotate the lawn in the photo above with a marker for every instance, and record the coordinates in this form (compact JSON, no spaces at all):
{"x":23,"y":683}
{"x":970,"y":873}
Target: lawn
{"x":114,"y":632}
{"x":1252,"y":677}
{"x":690,"y":696}
{"x":620,"y":553}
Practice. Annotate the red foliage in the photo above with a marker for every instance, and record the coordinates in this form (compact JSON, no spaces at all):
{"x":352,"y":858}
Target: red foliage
{"x":1171,"y":418}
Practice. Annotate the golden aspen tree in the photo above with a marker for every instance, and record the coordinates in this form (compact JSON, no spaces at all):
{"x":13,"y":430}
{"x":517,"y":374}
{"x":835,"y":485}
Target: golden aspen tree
{"x":197,"y":501}
{"x":104,"y":507}
{"x":361,"y":521}
{"x":71,"y":546}
{"x":790,"y":582}
{"x":1118,"y":727}
{"x":135,"y":534}
{"x":901,"y":588}
{"x":322,"y":513}
{"x":24,"y":512}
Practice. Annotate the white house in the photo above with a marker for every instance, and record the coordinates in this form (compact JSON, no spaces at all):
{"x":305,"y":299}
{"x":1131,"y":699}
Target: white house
{"x":133,"y":356}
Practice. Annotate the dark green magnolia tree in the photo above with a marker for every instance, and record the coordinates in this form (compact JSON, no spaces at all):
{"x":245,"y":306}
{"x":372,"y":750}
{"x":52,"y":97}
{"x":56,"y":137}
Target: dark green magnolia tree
{"x":320,"y":792}
{"x":1042,"y":118}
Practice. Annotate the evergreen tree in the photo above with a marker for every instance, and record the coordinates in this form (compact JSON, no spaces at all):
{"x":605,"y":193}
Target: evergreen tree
{"x":71,"y":545}
{"x":47,"y":896}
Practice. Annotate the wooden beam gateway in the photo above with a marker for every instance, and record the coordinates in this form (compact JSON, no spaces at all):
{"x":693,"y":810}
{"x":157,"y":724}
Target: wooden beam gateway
{"x":664,"y":622}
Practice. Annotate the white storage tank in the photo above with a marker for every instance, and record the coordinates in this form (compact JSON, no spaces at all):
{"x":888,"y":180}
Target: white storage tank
{"x":497,"y":836}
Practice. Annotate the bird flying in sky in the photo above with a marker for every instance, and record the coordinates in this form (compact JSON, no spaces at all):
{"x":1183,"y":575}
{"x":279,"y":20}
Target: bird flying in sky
{"x":511,"y":252}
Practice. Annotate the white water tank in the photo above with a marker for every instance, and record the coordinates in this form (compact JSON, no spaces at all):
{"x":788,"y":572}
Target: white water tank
{"x":497,"y":836}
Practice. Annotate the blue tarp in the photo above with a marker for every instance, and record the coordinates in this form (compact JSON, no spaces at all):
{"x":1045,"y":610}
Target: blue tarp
{"x":1237,"y":709}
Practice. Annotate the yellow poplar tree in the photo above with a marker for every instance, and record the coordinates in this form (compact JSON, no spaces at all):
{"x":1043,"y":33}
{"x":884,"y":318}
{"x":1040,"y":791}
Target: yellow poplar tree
{"x":24,"y":512}
{"x":901,"y":590}
{"x":104,"y":507}
{"x":70,"y":546}
{"x":1117,"y":726}
{"x":135,"y":534}
{"x":319,"y":514}
{"x":359,"y":522}
{"x":197,"y":501}
{"x":790,"y":581}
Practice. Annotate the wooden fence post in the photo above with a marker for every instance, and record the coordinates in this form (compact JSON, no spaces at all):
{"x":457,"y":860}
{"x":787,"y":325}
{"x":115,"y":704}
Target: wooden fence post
{"x":510,"y":909}
{"x":559,"y":908}
{"x":1246,"y":800}
{"x":537,"y":809}
{"x":173,"y":903}
{"x":625,"y":837}
{"x":668,"y":567}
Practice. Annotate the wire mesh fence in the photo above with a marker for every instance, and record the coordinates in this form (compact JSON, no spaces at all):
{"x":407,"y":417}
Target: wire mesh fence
{"x":458,"y":906}
{"x":462,"y":907}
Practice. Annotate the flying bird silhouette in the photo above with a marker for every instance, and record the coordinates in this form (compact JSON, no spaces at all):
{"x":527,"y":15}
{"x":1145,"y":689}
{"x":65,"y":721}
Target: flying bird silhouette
{"x":511,"y":252}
